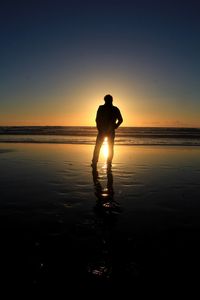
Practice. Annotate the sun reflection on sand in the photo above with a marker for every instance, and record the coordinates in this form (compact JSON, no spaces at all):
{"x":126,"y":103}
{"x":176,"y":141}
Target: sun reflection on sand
{"x":106,"y":212}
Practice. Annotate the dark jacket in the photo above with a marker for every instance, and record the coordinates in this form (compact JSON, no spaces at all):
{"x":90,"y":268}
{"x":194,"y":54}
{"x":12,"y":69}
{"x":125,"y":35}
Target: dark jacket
{"x":108,"y":118}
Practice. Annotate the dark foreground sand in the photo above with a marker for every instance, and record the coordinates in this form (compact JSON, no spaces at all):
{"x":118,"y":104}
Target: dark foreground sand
{"x":67,"y":229}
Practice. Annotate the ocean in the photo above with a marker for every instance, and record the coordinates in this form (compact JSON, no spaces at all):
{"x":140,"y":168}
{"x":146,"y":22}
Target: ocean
{"x":87,"y":135}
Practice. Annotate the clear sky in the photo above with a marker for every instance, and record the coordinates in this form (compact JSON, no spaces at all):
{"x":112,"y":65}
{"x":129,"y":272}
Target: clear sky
{"x":59,"y":58}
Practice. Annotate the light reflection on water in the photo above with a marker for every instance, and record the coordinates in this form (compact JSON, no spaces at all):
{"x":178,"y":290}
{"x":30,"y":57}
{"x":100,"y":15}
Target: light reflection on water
{"x":106,"y":213}
{"x":149,"y":189}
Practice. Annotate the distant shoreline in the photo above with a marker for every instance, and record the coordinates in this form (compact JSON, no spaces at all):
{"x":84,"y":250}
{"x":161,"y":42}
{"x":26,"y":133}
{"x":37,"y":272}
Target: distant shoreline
{"x":93,"y":126}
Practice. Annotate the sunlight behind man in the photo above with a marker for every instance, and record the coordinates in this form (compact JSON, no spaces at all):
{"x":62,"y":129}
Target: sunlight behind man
{"x":105,"y":148}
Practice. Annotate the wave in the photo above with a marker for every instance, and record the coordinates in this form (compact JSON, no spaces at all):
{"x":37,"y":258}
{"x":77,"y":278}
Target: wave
{"x":87,"y":135}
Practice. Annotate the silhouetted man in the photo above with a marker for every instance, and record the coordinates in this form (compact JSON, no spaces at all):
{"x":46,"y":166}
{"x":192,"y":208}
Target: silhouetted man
{"x":108,"y":119}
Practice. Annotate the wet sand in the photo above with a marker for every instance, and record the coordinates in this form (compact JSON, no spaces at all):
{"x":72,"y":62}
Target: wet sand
{"x":65,"y":228}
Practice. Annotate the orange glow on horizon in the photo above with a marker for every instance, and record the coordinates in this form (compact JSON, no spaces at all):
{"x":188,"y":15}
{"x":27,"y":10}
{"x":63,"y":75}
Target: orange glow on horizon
{"x":80,"y":110}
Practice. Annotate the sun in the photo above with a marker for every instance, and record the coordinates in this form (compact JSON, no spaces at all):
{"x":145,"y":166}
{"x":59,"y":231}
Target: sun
{"x":105,"y":148}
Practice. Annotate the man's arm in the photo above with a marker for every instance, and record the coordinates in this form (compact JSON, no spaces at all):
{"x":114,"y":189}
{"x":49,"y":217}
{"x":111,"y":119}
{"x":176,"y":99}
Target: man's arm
{"x":119,"y":119}
{"x":98,"y":118}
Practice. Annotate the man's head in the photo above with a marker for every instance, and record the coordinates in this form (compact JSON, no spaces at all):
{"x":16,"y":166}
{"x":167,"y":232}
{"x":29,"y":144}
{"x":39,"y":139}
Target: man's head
{"x":108,"y":99}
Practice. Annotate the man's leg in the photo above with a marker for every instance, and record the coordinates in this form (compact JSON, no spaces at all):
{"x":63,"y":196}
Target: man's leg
{"x":99,"y":142}
{"x":111,"y":139}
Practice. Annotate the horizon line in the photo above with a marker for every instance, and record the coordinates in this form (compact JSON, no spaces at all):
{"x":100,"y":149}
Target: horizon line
{"x":162,"y":126}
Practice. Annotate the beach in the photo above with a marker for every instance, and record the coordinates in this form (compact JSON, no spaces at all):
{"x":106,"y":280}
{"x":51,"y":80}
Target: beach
{"x":67,"y":227}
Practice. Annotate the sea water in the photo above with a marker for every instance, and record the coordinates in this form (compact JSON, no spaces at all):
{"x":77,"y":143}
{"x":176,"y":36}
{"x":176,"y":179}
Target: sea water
{"x":87,"y":135}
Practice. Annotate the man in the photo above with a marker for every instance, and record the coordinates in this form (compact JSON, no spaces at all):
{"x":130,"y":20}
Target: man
{"x":108,"y":119}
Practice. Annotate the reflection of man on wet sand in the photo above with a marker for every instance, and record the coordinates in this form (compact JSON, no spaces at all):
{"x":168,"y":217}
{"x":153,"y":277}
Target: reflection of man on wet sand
{"x":105,"y":203}
{"x":108,"y":119}
{"x":106,"y":212}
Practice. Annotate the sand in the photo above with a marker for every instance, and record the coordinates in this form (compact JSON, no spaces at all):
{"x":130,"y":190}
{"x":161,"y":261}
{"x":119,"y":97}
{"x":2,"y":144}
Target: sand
{"x":65,"y":228}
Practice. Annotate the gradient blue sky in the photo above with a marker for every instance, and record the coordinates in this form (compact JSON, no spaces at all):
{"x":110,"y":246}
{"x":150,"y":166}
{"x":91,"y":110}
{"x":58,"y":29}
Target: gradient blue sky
{"x":59,"y":58}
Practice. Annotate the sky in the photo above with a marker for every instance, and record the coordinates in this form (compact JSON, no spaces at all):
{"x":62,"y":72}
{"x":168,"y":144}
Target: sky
{"x":58,"y":59}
